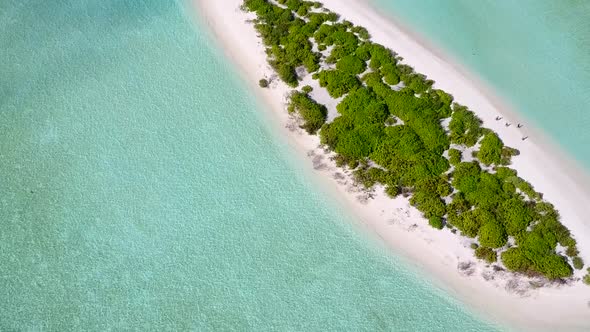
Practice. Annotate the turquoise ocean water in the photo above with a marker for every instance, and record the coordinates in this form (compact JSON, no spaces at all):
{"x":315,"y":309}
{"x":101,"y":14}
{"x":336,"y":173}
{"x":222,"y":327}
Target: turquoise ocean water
{"x":142,"y":189}
{"x":533,"y":53}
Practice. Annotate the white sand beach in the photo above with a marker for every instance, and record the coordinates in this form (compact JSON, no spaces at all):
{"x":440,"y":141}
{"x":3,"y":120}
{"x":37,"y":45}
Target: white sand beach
{"x":445,"y":257}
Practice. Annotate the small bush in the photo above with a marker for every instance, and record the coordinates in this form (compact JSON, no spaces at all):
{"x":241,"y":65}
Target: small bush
{"x":302,"y":11}
{"x":474,"y":246}
{"x":361,"y":32}
{"x":436,"y":222}
{"x":333,"y":17}
{"x":392,"y":191}
{"x":490,"y":151}
{"x":465,"y":126}
{"x":515,"y":260}
{"x":263,"y":83}
{"x":578,"y":263}
{"x":455,"y":156}
{"x":389,"y":72}
{"x":351,"y":64}
{"x":486,"y":254}
{"x":352,"y":163}
{"x":492,"y":234}
{"x":390,"y":121}
{"x":307,"y":89}
{"x":312,"y":113}
{"x":287,"y":74}
{"x":338,"y":83}
{"x":572,"y":251}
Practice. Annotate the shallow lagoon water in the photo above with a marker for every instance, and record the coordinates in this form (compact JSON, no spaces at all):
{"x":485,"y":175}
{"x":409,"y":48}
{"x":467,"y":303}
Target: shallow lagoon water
{"x":142,"y":189}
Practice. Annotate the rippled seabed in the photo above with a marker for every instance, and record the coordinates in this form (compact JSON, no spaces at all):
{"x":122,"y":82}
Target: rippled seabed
{"x":141,"y":189}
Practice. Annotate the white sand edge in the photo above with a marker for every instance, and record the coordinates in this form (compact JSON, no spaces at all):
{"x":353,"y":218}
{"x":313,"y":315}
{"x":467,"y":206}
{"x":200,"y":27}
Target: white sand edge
{"x":436,"y":252}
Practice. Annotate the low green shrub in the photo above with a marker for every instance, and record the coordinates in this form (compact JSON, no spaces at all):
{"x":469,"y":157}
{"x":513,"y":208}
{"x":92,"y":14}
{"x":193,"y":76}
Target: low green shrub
{"x":313,"y":114}
{"x":486,"y":254}
{"x":436,"y":222}
{"x":338,"y":83}
{"x":263,"y":83}
{"x":455,"y":156}
{"x":351,"y":64}
{"x":578,"y":263}
{"x":392,"y":191}
{"x":586,"y":278}
{"x":492,"y":234}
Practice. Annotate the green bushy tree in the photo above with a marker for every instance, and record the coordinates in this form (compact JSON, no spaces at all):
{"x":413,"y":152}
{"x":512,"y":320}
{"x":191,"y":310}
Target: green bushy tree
{"x":455,"y":156}
{"x":492,"y":234}
{"x":578,"y":263}
{"x":486,"y":254}
{"x":313,"y":114}
{"x":338,"y":83}
{"x":436,"y":222}
{"x":351,"y":64}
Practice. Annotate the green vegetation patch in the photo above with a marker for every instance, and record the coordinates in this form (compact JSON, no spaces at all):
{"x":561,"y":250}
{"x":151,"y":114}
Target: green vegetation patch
{"x":312,"y":113}
{"x":351,"y":64}
{"x":486,"y":254}
{"x":455,"y":156}
{"x":393,"y":136}
{"x":338,"y":83}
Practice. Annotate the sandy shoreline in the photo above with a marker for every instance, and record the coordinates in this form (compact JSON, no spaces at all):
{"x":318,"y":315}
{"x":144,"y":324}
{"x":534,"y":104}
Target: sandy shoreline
{"x":399,"y":225}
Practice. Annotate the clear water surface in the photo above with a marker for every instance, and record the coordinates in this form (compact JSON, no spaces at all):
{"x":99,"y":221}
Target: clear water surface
{"x":142,"y":190}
